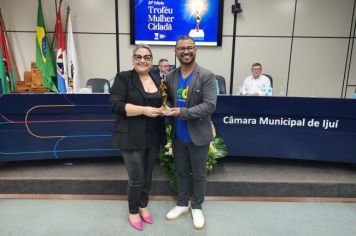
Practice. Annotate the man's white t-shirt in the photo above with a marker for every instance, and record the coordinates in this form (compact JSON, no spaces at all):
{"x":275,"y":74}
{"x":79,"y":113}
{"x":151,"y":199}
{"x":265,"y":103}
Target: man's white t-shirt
{"x":261,"y":85}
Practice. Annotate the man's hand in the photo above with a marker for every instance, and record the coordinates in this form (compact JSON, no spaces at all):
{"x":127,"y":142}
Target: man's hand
{"x":175,"y":111}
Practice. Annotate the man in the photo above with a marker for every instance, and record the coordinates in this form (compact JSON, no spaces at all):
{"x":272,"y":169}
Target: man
{"x":256,"y":84}
{"x":192,"y":90}
{"x":163,"y":66}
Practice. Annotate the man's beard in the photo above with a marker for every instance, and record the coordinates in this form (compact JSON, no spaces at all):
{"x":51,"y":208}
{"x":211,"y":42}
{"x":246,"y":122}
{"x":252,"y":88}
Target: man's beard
{"x":180,"y":59}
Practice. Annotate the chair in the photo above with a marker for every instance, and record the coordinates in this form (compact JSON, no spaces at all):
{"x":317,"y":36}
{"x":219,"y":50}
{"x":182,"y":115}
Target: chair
{"x":98,"y":84}
{"x":154,"y":69}
{"x":270,"y":79}
{"x":221,"y":84}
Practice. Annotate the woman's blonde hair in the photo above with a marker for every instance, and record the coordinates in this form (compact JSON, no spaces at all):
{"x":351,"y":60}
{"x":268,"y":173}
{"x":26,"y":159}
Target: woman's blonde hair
{"x":142,"y":45}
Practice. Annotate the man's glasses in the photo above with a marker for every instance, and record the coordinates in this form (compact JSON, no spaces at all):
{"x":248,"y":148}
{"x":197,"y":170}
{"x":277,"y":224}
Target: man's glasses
{"x":145,"y":57}
{"x":189,"y":49}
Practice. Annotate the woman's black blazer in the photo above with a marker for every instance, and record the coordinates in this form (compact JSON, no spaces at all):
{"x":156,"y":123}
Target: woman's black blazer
{"x":130,"y":131}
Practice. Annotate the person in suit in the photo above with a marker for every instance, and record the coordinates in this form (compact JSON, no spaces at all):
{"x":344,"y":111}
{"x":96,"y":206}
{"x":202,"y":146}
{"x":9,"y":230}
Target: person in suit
{"x":139,"y":129}
{"x":256,"y":84}
{"x":163,"y":66}
{"x":192,"y":95}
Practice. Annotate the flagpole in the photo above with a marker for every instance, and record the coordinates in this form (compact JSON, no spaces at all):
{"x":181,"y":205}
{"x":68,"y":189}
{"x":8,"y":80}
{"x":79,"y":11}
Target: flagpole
{"x":55,"y":26}
{"x":11,"y":53}
{"x":55,"y":5}
{"x":65,"y":43}
{"x":66,"y":25}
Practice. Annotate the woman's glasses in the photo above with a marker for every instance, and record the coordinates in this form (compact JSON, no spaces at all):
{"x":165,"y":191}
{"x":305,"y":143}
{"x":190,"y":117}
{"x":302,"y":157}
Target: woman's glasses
{"x":138,"y":57}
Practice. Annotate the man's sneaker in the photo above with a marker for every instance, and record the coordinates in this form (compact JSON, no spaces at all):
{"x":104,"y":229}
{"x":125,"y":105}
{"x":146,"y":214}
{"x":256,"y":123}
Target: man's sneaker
{"x":176,"y":212}
{"x":198,"y":218}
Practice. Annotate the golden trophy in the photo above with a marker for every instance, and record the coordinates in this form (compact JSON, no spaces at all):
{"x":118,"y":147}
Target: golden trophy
{"x":163,"y":87}
{"x":197,"y":18}
{"x":197,"y":33}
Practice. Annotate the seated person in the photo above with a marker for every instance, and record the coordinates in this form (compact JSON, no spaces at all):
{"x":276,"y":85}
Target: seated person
{"x":256,"y":84}
{"x":163,"y":66}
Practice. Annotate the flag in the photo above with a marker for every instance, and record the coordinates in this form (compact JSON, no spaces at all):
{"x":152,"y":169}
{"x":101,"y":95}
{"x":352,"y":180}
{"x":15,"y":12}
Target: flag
{"x":4,"y":85}
{"x":62,"y":81}
{"x":72,"y":63}
{"x":44,"y":60}
{"x":7,"y":81}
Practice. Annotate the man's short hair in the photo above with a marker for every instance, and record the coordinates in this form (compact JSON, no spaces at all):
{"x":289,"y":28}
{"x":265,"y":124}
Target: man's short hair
{"x":256,"y":64}
{"x":185,"y":37}
{"x":162,"y":60}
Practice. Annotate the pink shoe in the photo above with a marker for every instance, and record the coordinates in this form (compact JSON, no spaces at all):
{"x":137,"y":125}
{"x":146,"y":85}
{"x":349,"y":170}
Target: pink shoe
{"x":137,"y":225}
{"x":148,"y":219}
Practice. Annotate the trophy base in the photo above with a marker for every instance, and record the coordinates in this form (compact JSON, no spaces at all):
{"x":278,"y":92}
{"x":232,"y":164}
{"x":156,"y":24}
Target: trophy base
{"x":165,"y":109}
{"x":197,"y":35}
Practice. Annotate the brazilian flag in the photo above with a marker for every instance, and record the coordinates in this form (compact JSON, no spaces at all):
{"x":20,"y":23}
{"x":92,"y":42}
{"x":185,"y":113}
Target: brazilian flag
{"x":44,"y":59}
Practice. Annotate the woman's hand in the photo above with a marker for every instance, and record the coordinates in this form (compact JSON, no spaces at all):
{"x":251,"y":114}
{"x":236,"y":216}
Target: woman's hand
{"x":151,"y":111}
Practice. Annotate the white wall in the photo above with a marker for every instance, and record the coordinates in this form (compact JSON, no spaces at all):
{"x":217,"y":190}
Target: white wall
{"x":302,"y":44}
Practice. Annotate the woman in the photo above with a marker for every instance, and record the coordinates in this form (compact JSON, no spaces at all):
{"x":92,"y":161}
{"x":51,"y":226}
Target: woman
{"x":139,"y":130}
